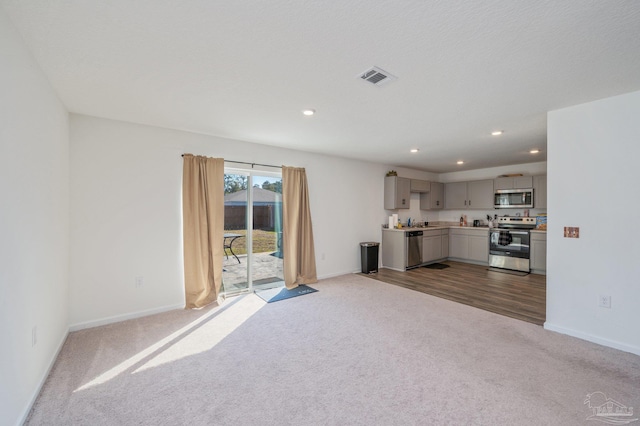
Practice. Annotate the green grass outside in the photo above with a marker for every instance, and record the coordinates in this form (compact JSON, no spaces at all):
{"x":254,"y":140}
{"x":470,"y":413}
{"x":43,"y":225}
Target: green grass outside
{"x":263,"y":241}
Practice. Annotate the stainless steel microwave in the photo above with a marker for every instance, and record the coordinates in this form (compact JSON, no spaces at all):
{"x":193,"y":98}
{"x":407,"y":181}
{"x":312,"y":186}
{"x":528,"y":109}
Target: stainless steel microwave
{"x":513,"y":199}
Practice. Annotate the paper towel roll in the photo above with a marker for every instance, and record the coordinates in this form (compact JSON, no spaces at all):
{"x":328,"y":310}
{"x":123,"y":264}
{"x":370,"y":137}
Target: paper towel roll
{"x":395,"y":220}
{"x":390,"y":222}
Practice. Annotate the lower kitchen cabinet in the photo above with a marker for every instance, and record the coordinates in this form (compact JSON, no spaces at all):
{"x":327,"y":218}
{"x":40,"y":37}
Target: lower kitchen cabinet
{"x":479,"y":248}
{"x":538,"y":253}
{"x":445,"y":243}
{"x":435,"y":245}
{"x":432,"y":245}
{"x":393,"y":249}
{"x":458,"y":245}
{"x":469,"y":244}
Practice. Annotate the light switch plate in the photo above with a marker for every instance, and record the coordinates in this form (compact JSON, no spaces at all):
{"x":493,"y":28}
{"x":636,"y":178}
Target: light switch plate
{"x":571,"y":232}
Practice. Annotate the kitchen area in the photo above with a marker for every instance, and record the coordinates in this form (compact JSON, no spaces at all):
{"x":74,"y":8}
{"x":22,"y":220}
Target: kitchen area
{"x":499,"y":221}
{"x":479,"y":242}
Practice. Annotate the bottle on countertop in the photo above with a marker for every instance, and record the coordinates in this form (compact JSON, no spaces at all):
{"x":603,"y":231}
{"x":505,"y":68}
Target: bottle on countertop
{"x":461,"y":220}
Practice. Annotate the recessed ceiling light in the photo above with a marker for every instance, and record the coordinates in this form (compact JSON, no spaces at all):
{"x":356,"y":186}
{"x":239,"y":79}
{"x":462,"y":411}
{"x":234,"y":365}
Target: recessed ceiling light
{"x":460,"y":162}
{"x":414,"y":150}
{"x":308,"y":111}
{"x":496,"y":133}
{"x":534,"y":151}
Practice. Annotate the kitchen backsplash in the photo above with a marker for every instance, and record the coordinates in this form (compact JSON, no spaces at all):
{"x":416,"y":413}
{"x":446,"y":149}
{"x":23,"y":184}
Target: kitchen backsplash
{"x":418,"y":215}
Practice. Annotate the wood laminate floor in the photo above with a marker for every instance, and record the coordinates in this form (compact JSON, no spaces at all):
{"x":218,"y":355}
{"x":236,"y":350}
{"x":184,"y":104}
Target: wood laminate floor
{"x":520,"y":297}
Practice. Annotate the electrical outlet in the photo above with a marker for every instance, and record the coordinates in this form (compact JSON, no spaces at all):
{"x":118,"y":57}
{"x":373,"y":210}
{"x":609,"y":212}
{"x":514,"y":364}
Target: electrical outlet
{"x":34,"y":335}
{"x":604,"y":301}
{"x":139,"y":281}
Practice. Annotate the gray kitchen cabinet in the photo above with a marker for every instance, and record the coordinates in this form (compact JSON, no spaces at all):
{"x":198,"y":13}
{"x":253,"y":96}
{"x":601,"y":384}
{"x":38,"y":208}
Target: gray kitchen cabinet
{"x":480,"y":194}
{"x":421,"y":186}
{"x":397,"y":192}
{"x":479,"y":248}
{"x":455,"y":195}
{"x":538,"y":253}
{"x":469,"y":195}
{"x":445,"y":243}
{"x":540,"y":192}
{"x":513,"y":182}
{"x":435,"y":245}
{"x":393,"y":249}
{"x":470,"y":244}
{"x":431,"y":246}
{"x":458,"y":245}
{"x":434,"y":199}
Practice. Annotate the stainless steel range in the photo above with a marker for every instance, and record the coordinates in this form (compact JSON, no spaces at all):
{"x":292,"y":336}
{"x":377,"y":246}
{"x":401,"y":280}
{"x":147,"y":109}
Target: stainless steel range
{"x":509,"y":243}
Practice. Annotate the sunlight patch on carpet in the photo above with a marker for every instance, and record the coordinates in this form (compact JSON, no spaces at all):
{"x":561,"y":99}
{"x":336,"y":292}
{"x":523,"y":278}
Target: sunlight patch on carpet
{"x":196,"y":337}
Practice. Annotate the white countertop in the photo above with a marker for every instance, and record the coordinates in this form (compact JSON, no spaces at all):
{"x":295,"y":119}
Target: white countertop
{"x":433,"y":227}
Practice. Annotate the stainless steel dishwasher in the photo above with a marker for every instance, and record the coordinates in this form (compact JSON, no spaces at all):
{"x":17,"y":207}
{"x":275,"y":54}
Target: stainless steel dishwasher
{"x":413,"y":249}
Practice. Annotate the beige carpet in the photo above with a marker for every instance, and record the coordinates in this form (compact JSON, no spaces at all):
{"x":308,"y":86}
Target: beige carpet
{"x":357,"y":352}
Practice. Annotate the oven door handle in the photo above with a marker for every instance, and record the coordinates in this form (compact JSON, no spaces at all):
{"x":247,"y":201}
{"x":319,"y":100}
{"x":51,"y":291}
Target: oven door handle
{"x":516,"y":232}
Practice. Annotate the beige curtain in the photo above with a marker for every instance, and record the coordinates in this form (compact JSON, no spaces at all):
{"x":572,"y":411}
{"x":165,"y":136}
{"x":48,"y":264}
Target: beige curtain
{"x":297,"y":238}
{"x":203,"y":228}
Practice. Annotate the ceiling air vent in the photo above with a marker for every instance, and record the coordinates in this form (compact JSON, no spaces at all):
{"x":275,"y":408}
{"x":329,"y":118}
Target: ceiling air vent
{"x":377,"y":76}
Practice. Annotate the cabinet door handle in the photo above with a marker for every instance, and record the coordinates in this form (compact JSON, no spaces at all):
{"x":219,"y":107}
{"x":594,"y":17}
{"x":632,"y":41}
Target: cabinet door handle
{"x":469,"y":202}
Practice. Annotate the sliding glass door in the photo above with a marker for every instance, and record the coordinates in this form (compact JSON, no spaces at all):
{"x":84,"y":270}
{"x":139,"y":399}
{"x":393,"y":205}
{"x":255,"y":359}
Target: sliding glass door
{"x":253,"y":231}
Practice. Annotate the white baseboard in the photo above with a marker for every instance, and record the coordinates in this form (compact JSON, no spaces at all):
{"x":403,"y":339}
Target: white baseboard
{"x":333,"y":275}
{"x":43,"y":378}
{"x":123,"y":317}
{"x":591,"y":338}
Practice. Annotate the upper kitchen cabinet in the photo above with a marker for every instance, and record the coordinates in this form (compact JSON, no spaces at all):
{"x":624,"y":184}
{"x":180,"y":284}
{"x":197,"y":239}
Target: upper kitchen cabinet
{"x":540,"y":192}
{"x":421,"y":186}
{"x":455,"y":195}
{"x":434,"y":199}
{"x":469,"y":195}
{"x":397,"y":192}
{"x":514,"y":182}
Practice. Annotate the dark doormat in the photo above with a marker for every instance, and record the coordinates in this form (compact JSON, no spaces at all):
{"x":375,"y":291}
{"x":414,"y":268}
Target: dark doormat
{"x":436,"y":266}
{"x":275,"y":294}
{"x":508,"y":271}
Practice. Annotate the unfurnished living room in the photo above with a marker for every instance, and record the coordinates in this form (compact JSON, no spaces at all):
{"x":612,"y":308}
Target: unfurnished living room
{"x":239,"y":213}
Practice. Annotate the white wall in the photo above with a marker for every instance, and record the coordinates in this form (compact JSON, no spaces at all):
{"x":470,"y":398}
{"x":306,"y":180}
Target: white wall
{"x":126,"y":212}
{"x":34,"y":225}
{"x":593,"y":171}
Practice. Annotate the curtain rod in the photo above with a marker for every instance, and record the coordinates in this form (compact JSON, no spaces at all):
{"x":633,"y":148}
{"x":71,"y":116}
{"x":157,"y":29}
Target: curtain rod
{"x":251,"y":164}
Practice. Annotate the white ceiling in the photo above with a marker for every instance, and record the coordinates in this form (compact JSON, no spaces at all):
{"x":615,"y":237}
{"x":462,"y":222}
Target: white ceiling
{"x":245,"y":70}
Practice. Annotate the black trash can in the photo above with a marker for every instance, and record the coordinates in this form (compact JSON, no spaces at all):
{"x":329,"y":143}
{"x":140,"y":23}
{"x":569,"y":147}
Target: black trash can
{"x":369,"y":257}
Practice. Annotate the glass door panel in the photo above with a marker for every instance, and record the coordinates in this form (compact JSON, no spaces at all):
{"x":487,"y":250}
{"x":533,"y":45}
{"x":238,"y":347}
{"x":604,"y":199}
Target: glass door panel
{"x":267,"y":257}
{"x":234,"y":266}
{"x":253,"y":256}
